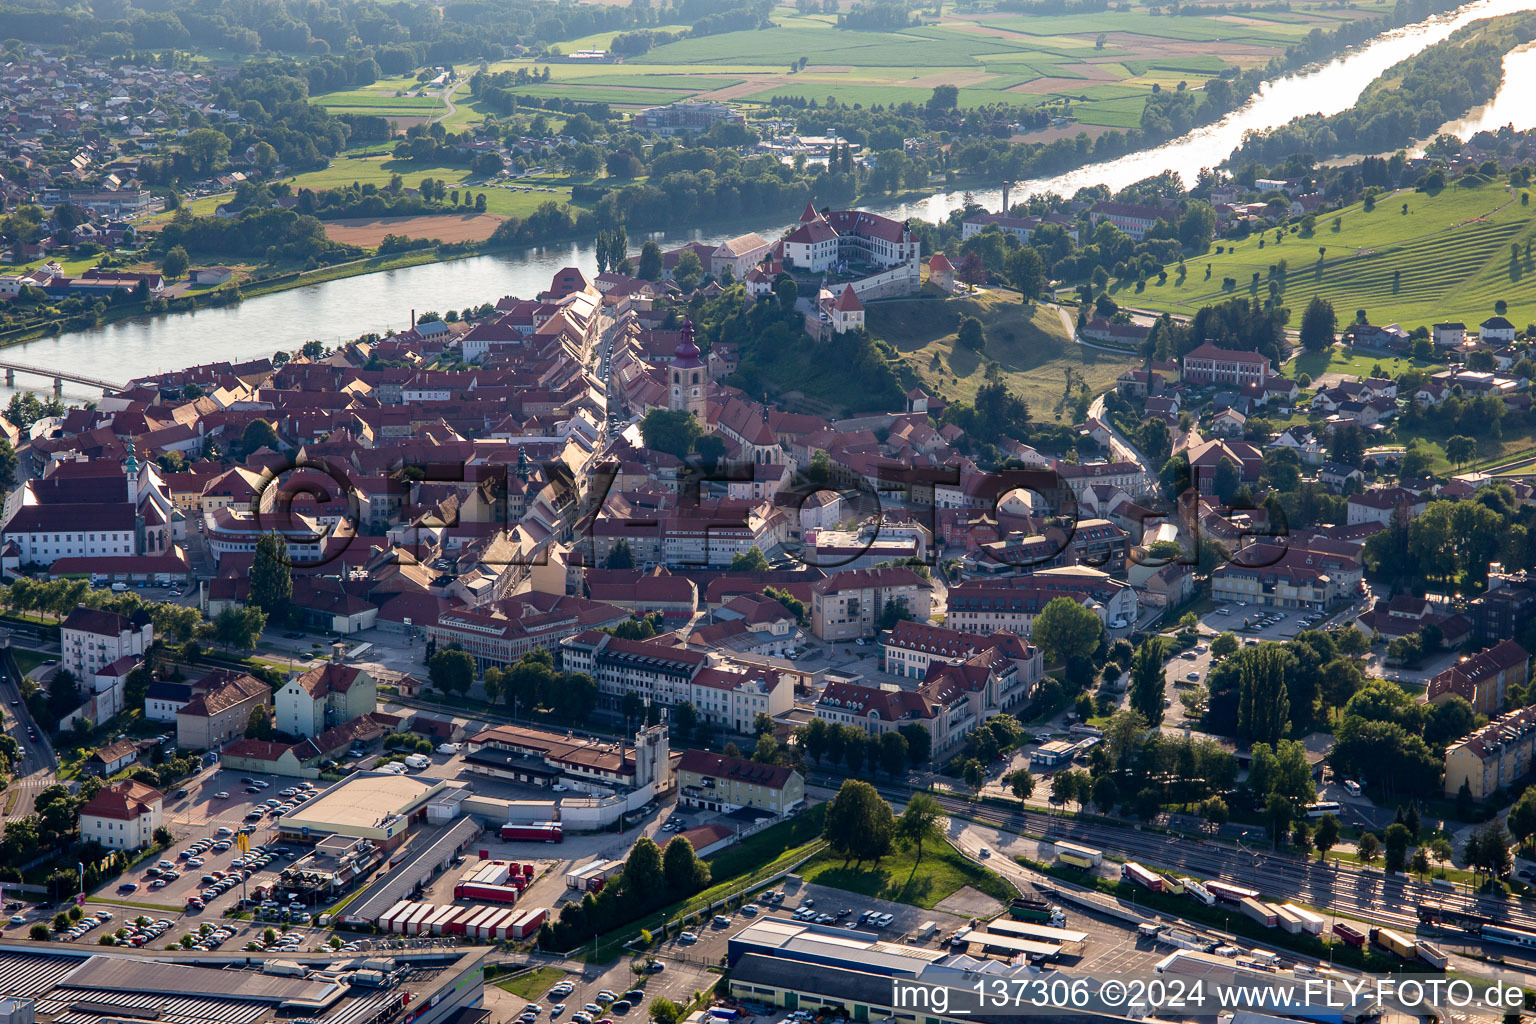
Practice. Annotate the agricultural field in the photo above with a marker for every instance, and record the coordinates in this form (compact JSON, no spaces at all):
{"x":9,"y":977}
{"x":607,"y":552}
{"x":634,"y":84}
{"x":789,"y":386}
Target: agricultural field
{"x":504,"y":199}
{"x":994,"y":57}
{"x":403,"y":99}
{"x":1450,"y":256}
{"x":1031,"y":345}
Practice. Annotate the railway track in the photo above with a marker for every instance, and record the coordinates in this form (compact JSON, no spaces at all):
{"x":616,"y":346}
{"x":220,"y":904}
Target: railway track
{"x":1370,"y":896}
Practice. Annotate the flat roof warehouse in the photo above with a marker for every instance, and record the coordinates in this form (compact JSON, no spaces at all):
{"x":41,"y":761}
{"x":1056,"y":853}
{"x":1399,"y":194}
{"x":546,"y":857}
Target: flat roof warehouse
{"x":369,"y":805}
{"x":70,"y":987}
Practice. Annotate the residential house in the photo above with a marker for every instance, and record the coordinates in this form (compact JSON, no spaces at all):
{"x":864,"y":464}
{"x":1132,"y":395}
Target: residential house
{"x":1494,"y":758}
{"x":717,"y":782}
{"x":323,"y":697}
{"x":220,"y":713}
{"x":122,"y":816}
{"x":1483,"y":678}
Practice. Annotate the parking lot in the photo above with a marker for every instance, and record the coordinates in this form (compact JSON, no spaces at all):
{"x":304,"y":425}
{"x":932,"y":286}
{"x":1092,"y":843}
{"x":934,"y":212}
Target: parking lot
{"x":205,"y":863}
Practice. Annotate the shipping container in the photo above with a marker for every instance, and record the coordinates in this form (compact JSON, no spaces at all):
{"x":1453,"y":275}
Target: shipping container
{"x":1349,"y":934}
{"x":1032,"y":908}
{"x":1258,"y":910}
{"x":1287,"y":920}
{"x":1135,"y":873}
{"x":1228,"y":893}
{"x":491,"y":873}
{"x":1198,"y":891}
{"x":386,"y":918}
{"x":434,"y":922}
{"x":1075,"y":860}
{"x":530,"y":923}
{"x":487,"y":927}
{"x":533,"y":832}
{"x":1394,"y":941}
{"x":486,"y":893}
{"x":581,"y":878}
{"x":1311,"y":923}
{"x":1173,"y":885}
{"x":1431,"y":955}
{"x":1094,"y":857}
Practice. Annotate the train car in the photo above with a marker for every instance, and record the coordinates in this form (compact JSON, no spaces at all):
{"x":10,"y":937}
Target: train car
{"x":1130,"y":871}
{"x":1349,"y":934}
{"x":1094,"y":857}
{"x":1441,"y":916}
{"x":1396,"y":942}
{"x":1229,"y":893}
{"x":1311,"y":923}
{"x":1198,"y":891}
{"x":1260,"y":911}
{"x":1509,"y":936}
{"x":1431,"y":955}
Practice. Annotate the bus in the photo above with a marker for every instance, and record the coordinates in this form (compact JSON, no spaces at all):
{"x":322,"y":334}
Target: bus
{"x":1509,"y":936}
{"x":1323,"y":807}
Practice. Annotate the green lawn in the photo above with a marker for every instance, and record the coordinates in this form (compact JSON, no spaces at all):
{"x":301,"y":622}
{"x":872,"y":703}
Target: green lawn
{"x":26,"y":660}
{"x":1031,"y":345}
{"x":1340,"y":359}
{"x":902,"y":878}
{"x":1448,"y":258}
{"x":533,"y":984}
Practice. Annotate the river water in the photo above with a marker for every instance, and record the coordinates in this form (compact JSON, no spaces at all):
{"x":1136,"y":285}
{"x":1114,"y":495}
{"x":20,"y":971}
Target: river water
{"x":340,"y":310}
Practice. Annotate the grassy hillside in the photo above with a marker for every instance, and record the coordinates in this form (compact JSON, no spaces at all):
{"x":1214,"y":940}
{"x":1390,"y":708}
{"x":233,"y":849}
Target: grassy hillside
{"x":1447,"y":258}
{"x":1031,"y":345}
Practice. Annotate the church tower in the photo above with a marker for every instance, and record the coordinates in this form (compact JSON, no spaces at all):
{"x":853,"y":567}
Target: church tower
{"x":689,"y":388}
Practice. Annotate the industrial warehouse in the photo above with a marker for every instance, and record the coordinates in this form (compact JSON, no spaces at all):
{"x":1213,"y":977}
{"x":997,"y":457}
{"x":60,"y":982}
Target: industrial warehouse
{"x":83,"y":987}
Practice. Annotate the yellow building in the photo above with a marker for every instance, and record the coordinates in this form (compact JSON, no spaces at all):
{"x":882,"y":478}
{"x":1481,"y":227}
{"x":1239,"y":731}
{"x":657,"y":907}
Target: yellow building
{"x":1494,"y":757}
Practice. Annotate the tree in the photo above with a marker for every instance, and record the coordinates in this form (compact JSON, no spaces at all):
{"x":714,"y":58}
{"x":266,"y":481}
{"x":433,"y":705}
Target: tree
{"x":1327,"y":835}
{"x":1105,"y":793}
{"x":650,"y":268}
{"x":1397,"y":839}
{"x":919,"y":743}
{"x":1063,"y":787}
{"x":1067,"y":632}
{"x":1522,"y":817}
{"x":670,"y":431}
{"x":1369,"y":847}
{"x":1026,"y":271}
{"x":664,"y":1010}
{"x":688,"y":272}
{"x":1020,"y":782}
{"x":452,"y":670}
{"x":972,"y":270}
{"x":239,"y":628}
{"x":205,"y":149}
{"x":259,"y":726}
{"x":1263,"y":713}
{"x":1148,"y":680}
{"x":684,"y":872}
{"x":750,"y":560}
{"x":175,"y":262}
{"x":970,"y":334}
{"x":975,"y":774}
{"x":271,"y":578}
{"x":893,"y":753}
{"x":919,"y":823}
{"x":620,"y":556}
{"x":1318,"y":324}
{"x":258,"y":434}
{"x":859,"y":823}
{"x":1460,"y":449}
{"x":1223,"y":645}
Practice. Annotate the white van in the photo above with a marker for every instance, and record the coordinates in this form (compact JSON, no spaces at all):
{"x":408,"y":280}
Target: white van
{"x":418,"y":760}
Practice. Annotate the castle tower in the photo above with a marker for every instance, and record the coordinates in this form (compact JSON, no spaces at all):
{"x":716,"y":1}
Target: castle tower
{"x":689,"y":387}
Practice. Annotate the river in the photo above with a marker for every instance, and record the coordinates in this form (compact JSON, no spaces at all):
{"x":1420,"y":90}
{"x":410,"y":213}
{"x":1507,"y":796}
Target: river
{"x":340,"y":310}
